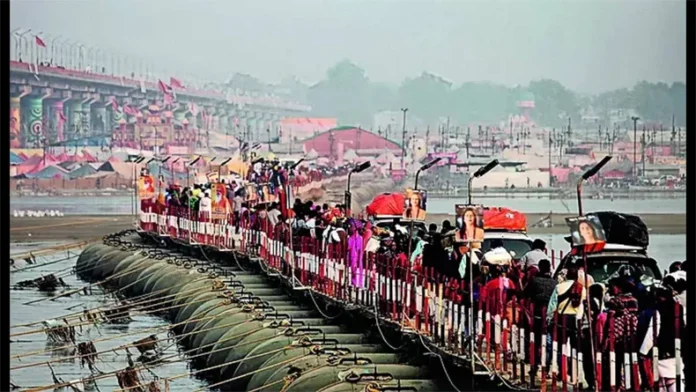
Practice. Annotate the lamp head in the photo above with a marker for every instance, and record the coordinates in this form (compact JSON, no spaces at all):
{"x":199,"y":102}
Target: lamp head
{"x":430,"y":164}
{"x":362,"y":167}
{"x":591,"y":173}
{"x":485,"y":169}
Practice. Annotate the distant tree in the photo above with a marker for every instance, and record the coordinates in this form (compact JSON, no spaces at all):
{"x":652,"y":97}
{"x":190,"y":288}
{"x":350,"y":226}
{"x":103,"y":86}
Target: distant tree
{"x":482,"y":102}
{"x":347,"y":93}
{"x":344,"y":94}
{"x":554,"y":103}
{"x":427,"y":96}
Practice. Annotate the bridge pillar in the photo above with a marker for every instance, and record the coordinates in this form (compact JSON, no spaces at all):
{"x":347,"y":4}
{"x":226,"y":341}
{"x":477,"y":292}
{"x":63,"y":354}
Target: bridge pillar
{"x":54,"y":116}
{"x":87,"y":118}
{"x":74,"y":114}
{"x":15,"y":122}
{"x":116,"y":115}
{"x":32,"y":121}
{"x":99,"y":119}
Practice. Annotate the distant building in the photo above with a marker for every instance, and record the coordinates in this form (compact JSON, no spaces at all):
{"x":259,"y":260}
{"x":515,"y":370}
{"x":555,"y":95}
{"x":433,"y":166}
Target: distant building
{"x":334,"y":142}
{"x":300,"y":128}
{"x":622,"y":116}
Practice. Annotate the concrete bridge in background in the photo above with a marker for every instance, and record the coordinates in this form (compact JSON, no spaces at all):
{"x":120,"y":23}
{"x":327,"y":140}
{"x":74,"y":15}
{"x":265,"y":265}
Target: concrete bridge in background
{"x":51,"y":105}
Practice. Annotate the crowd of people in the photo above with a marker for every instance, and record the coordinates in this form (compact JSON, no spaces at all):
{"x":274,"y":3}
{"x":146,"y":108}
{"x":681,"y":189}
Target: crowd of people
{"x":622,"y":308}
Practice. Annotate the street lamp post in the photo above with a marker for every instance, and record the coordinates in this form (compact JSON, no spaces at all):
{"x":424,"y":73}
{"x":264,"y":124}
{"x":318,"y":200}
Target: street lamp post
{"x":425,"y":167}
{"x":635,"y":145}
{"x":35,"y":48}
{"x":403,"y":137}
{"x":588,"y":174}
{"x":59,"y":56}
{"x":52,"y":42}
{"x":15,"y":38}
{"x":361,"y":167}
{"x":20,"y":40}
{"x":480,"y":173}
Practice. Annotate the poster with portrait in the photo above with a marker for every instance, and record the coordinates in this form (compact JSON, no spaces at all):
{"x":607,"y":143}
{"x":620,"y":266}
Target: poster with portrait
{"x":146,"y":187}
{"x":469,"y":223}
{"x":415,"y":204}
{"x":219,"y":203}
{"x":587,"y":231}
{"x":468,"y":234}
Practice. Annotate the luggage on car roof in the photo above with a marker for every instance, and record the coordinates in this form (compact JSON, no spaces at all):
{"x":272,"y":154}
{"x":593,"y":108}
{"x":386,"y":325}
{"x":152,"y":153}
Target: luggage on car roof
{"x":623,"y":229}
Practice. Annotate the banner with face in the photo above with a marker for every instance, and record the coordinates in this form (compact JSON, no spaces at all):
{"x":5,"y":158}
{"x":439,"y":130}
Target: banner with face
{"x":415,"y":204}
{"x":586,"y":230}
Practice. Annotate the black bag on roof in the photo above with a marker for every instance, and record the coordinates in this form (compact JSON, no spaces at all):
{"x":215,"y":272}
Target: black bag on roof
{"x":623,"y":229}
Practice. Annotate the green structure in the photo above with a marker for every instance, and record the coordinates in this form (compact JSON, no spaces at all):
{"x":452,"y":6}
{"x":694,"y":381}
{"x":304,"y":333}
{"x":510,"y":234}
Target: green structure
{"x":116,"y":118}
{"x":99,"y":119}
{"x":86,"y":119}
{"x":74,"y":120}
{"x":32,"y":124}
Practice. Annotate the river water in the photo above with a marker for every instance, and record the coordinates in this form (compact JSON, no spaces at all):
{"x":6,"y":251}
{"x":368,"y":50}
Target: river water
{"x":70,"y":370}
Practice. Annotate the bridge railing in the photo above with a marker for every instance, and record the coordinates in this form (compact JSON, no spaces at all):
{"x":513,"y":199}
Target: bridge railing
{"x":513,"y":337}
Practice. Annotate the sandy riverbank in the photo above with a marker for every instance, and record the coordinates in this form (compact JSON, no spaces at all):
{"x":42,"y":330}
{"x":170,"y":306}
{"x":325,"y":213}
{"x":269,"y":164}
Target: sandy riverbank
{"x":83,"y":227}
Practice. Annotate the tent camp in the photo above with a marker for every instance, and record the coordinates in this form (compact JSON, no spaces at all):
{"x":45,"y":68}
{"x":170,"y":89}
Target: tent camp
{"x":312,"y":155}
{"x":15,"y":159}
{"x":82,"y":171}
{"x":350,"y":155}
{"x":124,"y":169}
{"x":48,"y":172}
{"x":385,"y":158}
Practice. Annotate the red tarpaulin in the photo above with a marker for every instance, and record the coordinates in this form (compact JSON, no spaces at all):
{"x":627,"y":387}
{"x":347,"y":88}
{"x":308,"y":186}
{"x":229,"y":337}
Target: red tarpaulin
{"x":501,"y":218}
{"x":386,"y":204}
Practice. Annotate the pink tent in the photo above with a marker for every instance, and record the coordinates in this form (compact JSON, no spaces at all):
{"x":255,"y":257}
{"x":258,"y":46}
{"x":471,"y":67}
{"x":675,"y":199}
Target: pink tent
{"x":23,"y":156}
{"x":113,"y":158}
{"x":87,"y":157}
{"x":64,"y":157}
{"x":32,"y":161}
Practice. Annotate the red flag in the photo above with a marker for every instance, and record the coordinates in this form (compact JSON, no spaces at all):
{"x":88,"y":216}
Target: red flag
{"x":40,"y":42}
{"x":168,"y":100}
{"x":176,"y":83}
{"x":163,"y":87}
{"x":193,"y":108}
{"x":114,"y":103}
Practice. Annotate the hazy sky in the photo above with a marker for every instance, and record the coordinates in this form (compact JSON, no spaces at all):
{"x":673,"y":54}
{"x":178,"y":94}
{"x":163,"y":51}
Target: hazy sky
{"x":588,"y":45}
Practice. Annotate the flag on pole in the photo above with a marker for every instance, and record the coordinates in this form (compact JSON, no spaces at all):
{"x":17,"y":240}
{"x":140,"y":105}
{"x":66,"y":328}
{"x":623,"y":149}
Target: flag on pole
{"x":114,"y":103}
{"x":168,"y":100}
{"x":163,"y":87}
{"x":40,"y":42}
{"x":175,"y":83}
